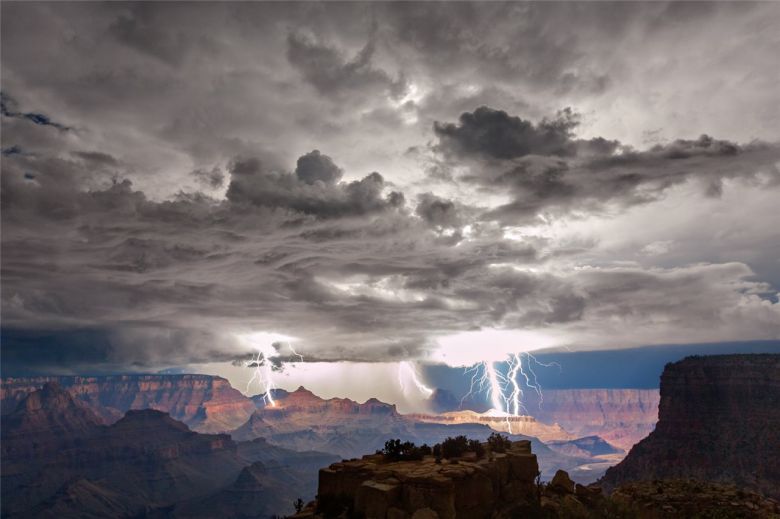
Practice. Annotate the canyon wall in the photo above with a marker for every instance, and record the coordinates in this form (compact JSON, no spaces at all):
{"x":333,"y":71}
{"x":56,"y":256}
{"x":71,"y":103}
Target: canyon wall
{"x":620,"y":416}
{"x":205,"y":403}
{"x":719,"y":420}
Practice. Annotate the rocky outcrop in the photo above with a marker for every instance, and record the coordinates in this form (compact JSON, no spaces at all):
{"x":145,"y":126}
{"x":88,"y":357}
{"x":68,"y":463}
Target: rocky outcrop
{"x":203,"y":402}
{"x":620,"y":416}
{"x":719,"y":420}
{"x":466,"y":487}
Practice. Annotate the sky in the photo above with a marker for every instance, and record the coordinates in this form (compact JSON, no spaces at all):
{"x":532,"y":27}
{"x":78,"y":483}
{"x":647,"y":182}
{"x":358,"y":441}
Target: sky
{"x":371,"y":184}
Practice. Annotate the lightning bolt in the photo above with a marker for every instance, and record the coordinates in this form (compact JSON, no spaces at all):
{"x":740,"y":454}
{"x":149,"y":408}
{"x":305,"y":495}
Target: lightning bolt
{"x":407,"y":370}
{"x":271,"y":353}
{"x":505,"y":390}
{"x":263,"y":374}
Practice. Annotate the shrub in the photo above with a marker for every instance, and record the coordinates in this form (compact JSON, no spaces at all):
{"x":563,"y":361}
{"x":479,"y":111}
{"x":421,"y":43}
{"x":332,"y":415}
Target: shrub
{"x":498,"y":442}
{"x":395,"y":450}
{"x":454,"y":447}
{"x":476,"y":447}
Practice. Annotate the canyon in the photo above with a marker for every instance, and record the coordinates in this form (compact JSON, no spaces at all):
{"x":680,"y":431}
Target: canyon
{"x":70,"y":451}
{"x":300,"y":420}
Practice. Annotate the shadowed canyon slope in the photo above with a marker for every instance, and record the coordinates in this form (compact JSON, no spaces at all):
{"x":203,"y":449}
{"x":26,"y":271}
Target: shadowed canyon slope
{"x":59,"y":461}
{"x":719,"y":420}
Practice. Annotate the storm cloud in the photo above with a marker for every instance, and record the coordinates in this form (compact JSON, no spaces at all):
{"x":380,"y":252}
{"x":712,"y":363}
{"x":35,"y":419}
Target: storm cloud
{"x":370,"y":178}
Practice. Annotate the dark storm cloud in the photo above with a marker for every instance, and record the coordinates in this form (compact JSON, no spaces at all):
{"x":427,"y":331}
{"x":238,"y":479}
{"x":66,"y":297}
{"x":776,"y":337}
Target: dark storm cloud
{"x":546,"y":168}
{"x":164,"y":277}
{"x":315,"y":166}
{"x":438,"y":211}
{"x":189,"y":206}
{"x":312,"y":189}
{"x":497,"y":135}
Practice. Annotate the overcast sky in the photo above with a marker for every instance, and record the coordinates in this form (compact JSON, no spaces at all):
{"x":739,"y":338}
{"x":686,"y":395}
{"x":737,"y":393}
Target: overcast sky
{"x":384,"y":182}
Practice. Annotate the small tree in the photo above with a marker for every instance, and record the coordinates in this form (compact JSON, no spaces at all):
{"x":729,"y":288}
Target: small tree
{"x":498,"y":442}
{"x":395,"y":450}
{"x":298,"y":504}
{"x":476,"y":447}
{"x":454,"y":447}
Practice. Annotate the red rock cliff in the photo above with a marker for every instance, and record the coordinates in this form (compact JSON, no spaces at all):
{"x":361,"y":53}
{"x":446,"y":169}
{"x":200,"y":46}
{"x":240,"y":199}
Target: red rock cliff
{"x":205,"y":403}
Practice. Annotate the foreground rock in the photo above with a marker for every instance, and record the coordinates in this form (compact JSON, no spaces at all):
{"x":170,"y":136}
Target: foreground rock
{"x":719,"y":420}
{"x":497,"y":485}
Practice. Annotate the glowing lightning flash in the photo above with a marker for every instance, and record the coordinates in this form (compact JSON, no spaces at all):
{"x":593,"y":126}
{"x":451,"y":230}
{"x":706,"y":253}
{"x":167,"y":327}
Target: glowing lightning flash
{"x":407,"y":371}
{"x":504,"y":390}
{"x":263,"y":374}
{"x":269,"y":355}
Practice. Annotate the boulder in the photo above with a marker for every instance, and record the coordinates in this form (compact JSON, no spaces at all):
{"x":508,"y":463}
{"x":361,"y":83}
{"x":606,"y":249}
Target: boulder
{"x":562,"y":483}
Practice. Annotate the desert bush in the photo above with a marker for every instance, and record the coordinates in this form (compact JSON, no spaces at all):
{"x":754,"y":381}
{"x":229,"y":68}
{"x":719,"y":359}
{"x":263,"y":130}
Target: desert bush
{"x":395,"y":450}
{"x":498,"y":442}
{"x":454,"y":447}
{"x":476,"y":447}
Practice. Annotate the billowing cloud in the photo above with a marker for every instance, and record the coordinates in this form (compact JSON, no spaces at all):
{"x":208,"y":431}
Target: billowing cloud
{"x":179,"y":189}
{"x":494,"y":134}
{"x":312,"y":189}
{"x":545,"y":168}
